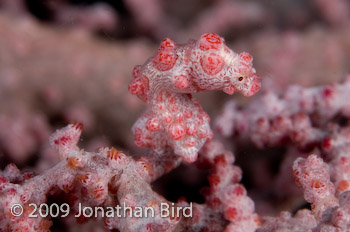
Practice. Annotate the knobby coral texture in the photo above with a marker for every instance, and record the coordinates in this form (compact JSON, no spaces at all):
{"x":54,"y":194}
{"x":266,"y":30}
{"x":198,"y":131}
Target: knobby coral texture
{"x":276,"y":159}
{"x":109,"y":177}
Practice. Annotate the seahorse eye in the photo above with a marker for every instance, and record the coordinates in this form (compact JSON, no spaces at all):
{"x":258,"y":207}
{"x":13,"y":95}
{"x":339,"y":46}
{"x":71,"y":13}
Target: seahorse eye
{"x":240,"y":79}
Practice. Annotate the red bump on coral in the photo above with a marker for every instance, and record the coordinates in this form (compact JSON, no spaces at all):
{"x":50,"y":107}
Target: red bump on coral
{"x":164,"y":61}
{"x":246,"y":57}
{"x":167,"y":44}
{"x":210,"y":41}
{"x":177,"y":131}
{"x":152,"y":124}
{"x":212,"y":64}
{"x":136,"y":71}
{"x":181,"y":82}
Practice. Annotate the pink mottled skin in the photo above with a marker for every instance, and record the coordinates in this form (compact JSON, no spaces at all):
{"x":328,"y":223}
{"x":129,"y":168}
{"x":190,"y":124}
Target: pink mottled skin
{"x":165,"y":82}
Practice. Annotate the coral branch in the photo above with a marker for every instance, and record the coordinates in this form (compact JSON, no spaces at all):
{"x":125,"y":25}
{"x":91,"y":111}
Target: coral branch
{"x":92,"y":179}
{"x":272,"y":120}
{"x":225,"y":193}
{"x":313,"y":175}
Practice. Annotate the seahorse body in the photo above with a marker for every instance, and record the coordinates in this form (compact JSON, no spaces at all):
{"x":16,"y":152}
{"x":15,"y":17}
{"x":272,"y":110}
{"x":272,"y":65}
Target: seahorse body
{"x":165,"y":82}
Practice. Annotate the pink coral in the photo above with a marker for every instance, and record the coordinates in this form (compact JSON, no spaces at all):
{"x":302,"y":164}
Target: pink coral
{"x":273,"y":119}
{"x":166,"y":81}
{"x":336,"y":147}
{"x":92,"y":179}
{"x":303,"y":220}
{"x":104,"y":179}
{"x":313,"y":175}
{"x":74,"y":76}
{"x":225,"y":193}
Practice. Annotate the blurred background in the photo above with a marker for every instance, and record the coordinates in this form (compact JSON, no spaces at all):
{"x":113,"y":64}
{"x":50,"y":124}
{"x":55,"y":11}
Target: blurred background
{"x":63,"y":61}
